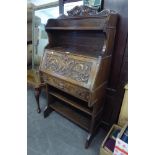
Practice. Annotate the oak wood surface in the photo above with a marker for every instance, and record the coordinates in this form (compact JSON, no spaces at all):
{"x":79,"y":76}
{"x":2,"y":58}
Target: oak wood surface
{"x":76,"y":65}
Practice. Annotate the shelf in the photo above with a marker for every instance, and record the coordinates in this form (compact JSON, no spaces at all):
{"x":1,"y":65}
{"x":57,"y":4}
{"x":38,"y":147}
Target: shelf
{"x":71,"y":114}
{"x":72,"y":103}
{"x":74,"y":28}
{"x":78,"y":51}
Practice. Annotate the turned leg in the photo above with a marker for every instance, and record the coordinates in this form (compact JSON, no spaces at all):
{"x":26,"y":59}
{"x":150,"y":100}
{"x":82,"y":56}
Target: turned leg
{"x":37,"y":95}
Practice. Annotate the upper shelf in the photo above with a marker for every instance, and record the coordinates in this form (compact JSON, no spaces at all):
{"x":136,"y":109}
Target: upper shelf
{"x":84,"y":18}
{"x":74,"y":28}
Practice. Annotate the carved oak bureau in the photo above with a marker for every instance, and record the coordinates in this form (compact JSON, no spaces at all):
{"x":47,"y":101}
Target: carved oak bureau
{"x":76,"y":63}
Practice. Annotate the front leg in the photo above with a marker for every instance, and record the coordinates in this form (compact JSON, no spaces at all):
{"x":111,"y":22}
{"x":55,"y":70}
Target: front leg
{"x":88,"y":140}
{"x":47,"y":111}
{"x":94,"y":126}
{"x":37,"y":92}
{"x":91,"y":134}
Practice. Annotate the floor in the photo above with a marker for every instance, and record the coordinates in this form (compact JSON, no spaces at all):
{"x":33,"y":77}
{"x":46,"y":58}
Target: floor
{"x":56,"y":135}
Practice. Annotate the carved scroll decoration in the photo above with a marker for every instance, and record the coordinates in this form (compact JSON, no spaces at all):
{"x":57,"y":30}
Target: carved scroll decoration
{"x":87,"y":11}
{"x":81,"y":11}
{"x":68,"y":67}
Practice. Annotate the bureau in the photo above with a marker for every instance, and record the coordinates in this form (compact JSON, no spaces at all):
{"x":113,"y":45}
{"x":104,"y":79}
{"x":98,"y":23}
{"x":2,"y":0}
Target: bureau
{"x":76,"y":64}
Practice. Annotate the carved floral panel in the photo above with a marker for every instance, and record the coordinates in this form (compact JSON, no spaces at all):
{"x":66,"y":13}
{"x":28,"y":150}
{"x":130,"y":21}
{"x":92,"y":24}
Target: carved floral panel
{"x":66,"y":66}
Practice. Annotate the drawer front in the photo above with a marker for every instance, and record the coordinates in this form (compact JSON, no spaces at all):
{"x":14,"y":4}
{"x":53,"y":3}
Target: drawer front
{"x":69,"y":88}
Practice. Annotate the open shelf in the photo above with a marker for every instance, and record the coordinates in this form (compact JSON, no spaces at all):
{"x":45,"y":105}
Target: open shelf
{"x":72,"y":114}
{"x":74,"y":28}
{"x":72,"y":103}
{"x":77,"y":51}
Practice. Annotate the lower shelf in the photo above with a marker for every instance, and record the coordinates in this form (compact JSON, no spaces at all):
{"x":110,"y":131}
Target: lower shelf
{"x":76,"y":104}
{"x":72,"y":114}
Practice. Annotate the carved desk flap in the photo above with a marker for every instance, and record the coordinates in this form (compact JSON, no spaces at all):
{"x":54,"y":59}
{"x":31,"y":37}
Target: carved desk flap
{"x":74,"y":68}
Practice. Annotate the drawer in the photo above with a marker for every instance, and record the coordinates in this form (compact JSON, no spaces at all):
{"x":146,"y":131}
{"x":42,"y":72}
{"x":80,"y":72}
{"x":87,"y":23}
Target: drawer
{"x":67,"y":87}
